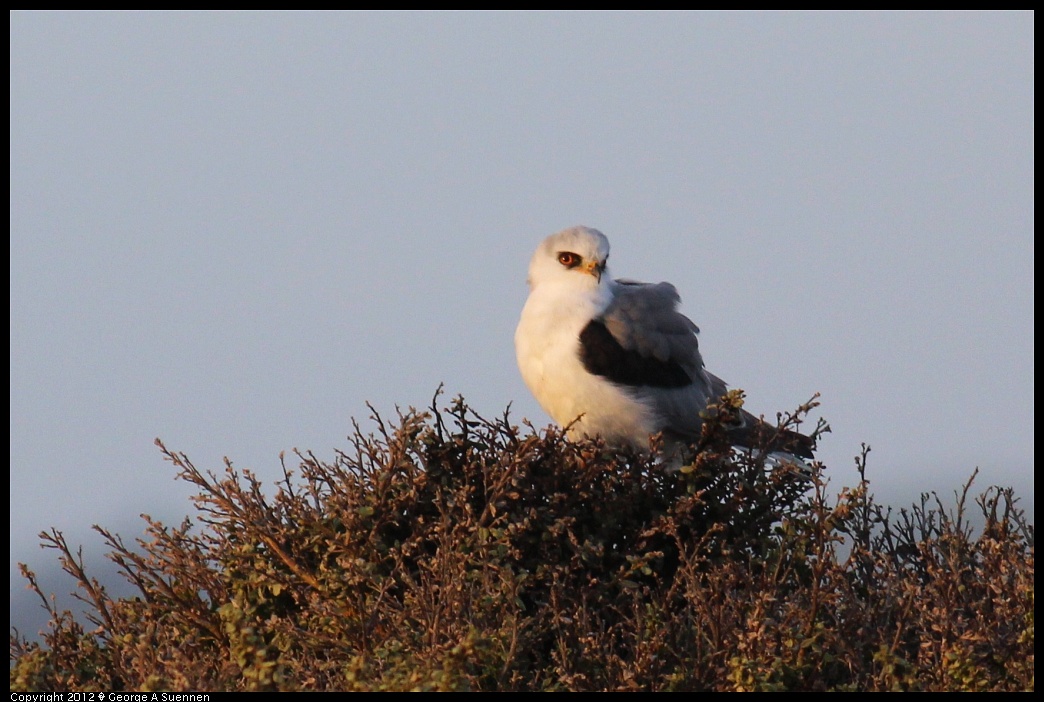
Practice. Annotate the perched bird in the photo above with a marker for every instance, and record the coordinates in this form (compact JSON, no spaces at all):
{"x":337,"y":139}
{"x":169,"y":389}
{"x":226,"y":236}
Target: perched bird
{"x":615,"y":358}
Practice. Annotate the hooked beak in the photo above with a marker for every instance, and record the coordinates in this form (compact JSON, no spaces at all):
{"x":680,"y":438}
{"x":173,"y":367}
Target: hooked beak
{"x":596,"y":269}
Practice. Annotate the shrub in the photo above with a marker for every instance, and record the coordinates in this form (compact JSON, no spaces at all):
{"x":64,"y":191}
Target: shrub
{"x":452,"y":552}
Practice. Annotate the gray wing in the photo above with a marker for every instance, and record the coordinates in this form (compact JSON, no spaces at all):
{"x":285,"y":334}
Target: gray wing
{"x":644,"y":318}
{"x":641,"y":341}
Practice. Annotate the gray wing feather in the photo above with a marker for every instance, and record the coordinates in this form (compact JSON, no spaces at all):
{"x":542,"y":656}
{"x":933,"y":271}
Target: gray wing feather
{"x":718,"y":386}
{"x":644,"y":318}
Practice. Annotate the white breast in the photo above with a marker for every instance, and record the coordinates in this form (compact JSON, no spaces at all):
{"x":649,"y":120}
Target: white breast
{"x":547,"y":343}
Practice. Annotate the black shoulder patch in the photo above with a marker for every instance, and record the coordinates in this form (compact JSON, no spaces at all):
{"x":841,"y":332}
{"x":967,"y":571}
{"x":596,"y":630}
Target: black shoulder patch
{"x":602,"y":355}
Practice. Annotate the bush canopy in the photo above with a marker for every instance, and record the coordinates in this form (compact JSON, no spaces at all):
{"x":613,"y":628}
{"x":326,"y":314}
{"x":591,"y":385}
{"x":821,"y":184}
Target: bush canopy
{"x":453,"y":552}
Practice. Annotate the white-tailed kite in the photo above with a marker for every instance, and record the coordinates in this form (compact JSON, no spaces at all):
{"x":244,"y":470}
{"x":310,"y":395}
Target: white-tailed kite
{"x":615,"y":358}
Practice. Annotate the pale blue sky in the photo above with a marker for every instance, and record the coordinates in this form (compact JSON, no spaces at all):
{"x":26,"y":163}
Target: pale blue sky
{"x":233,"y":230}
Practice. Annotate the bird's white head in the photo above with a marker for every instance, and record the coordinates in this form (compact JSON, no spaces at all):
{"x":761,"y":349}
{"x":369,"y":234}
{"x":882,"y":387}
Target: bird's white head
{"x":575,"y":257}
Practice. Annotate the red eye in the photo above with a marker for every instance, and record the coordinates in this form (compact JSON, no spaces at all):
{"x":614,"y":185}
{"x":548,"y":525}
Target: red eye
{"x":568,"y":259}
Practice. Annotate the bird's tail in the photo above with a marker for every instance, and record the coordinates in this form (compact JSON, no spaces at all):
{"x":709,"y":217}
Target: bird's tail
{"x":777,"y":443}
{"x":757,"y":434}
